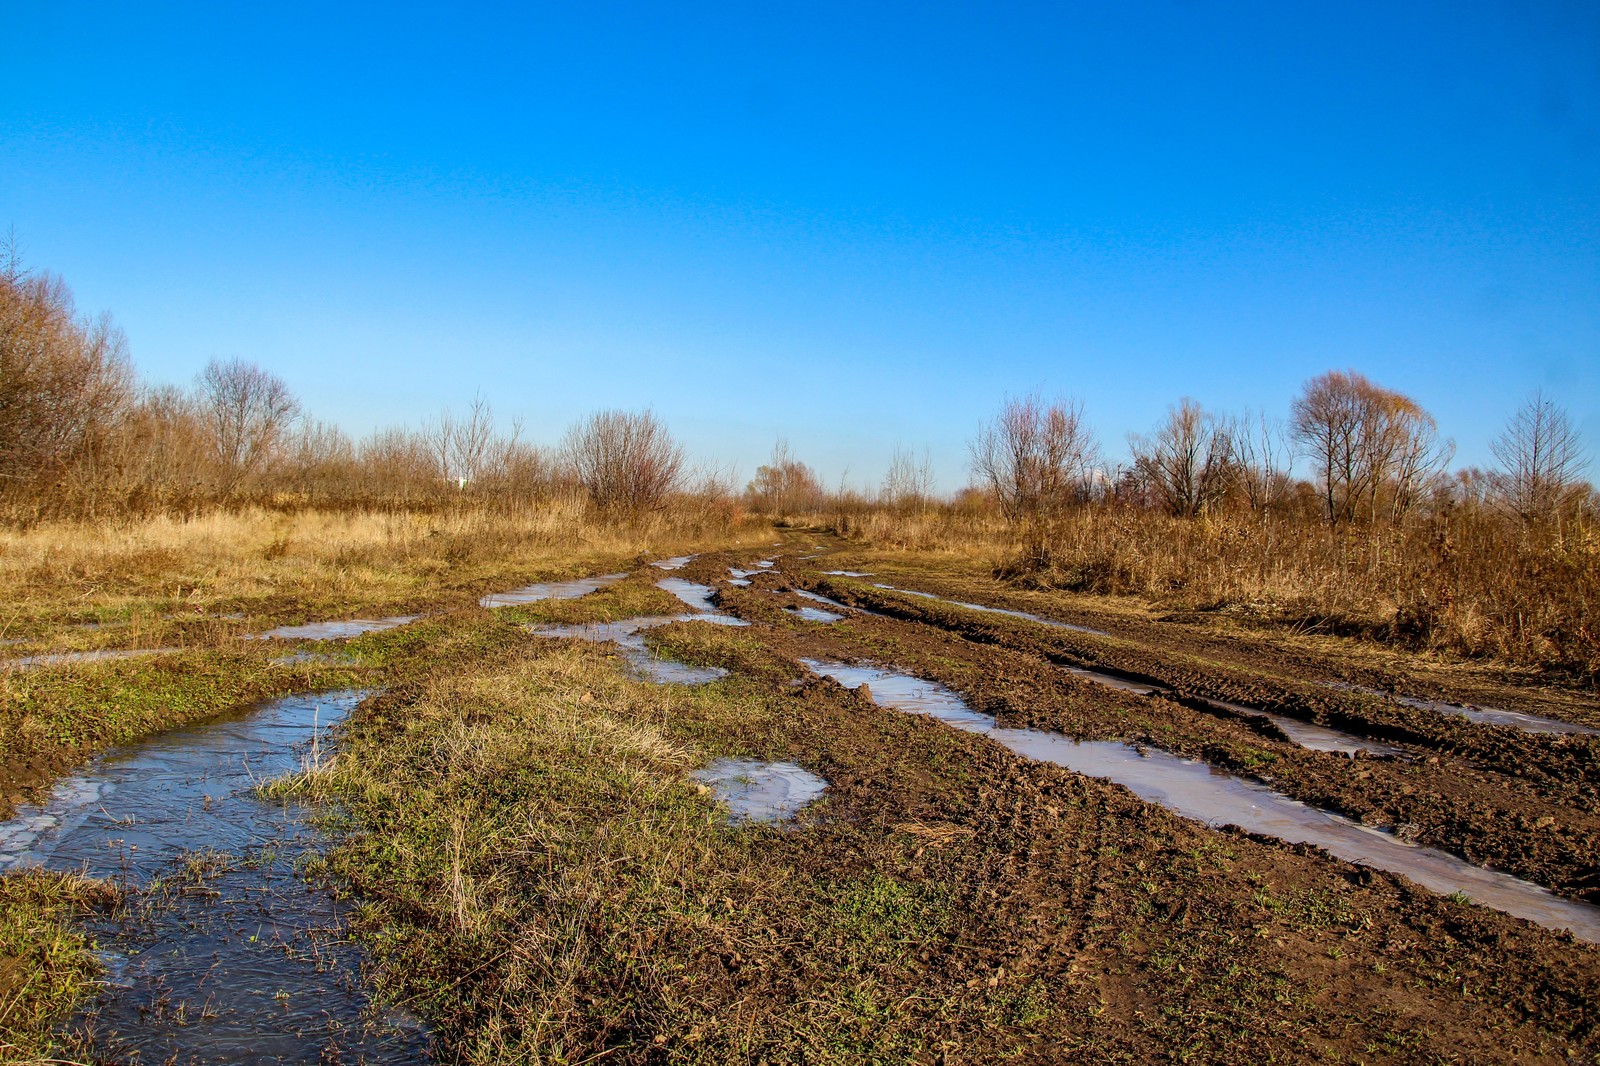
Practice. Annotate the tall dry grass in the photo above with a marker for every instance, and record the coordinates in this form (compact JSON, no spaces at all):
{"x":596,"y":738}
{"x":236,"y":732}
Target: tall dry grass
{"x":325,"y":554}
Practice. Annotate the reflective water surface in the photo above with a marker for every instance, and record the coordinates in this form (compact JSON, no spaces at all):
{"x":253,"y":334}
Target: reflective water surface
{"x":227,"y":955}
{"x":760,"y":791}
{"x":551,"y":590}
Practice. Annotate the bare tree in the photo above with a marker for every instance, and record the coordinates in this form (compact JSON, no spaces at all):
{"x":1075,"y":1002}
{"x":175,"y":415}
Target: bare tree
{"x":1368,"y":444}
{"x":1187,"y":461}
{"x":1037,"y":459}
{"x":1261,"y":460}
{"x":908,"y":484}
{"x":248,"y":412}
{"x":626,"y":460}
{"x":784,"y":485}
{"x":1542,"y":466}
{"x":465,"y":450}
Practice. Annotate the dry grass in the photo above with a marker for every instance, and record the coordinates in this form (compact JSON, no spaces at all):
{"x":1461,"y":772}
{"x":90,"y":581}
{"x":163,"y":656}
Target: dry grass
{"x":245,"y":560}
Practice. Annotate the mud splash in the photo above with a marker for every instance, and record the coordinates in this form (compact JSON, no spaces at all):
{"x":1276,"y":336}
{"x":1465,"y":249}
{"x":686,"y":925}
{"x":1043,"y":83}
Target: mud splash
{"x":550,"y":590}
{"x":225,"y":955}
{"x":760,"y":791}
{"x":1196,"y":790}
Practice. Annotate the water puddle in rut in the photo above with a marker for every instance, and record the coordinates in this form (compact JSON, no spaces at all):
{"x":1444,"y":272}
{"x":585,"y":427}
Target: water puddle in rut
{"x":1196,"y":790}
{"x":550,"y":590}
{"x":1306,"y":734}
{"x":1528,"y":723}
{"x":234,"y":958}
{"x":760,"y":791}
{"x":677,"y":562}
{"x":1024,"y":615}
{"x":814,"y":614}
{"x":352,"y":627}
{"x":63,"y":658}
{"x":628,"y":635}
{"x":817,"y":597}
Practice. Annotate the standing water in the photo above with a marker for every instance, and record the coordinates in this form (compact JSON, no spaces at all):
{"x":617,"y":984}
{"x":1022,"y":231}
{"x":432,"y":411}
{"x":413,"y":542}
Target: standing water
{"x":224,"y":954}
{"x":1196,"y":790}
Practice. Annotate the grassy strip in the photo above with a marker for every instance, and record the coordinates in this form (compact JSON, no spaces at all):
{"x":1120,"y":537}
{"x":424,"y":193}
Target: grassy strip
{"x":545,"y":882}
{"x":46,"y":966}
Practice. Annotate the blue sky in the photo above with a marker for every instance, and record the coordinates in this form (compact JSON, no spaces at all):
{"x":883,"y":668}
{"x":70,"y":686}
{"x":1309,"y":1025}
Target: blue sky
{"x":854,"y":226}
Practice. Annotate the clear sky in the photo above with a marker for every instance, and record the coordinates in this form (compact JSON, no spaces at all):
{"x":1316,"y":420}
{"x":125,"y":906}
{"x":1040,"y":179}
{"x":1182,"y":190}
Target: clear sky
{"x":853,"y":225}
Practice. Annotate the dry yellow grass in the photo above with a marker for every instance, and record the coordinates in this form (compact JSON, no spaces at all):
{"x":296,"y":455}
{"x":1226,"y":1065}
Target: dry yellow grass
{"x":253,"y":559}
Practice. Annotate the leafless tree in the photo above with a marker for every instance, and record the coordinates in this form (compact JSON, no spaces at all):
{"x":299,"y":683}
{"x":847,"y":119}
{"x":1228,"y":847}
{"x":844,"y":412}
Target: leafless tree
{"x":1037,"y":459}
{"x":248,"y":412}
{"x":65,"y":381}
{"x":1187,"y":461}
{"x":1368,"y":445}
{"x":784,"y":485}
{"x":908,"y":484}
{"x":628,"y":461}
{"x":466,"y":450}
{"x":1261,"y":460}
{"x":1542,"y":465}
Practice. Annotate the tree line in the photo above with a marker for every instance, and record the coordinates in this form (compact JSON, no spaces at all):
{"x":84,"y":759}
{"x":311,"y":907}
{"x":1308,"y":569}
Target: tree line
{"x":79,"y":434}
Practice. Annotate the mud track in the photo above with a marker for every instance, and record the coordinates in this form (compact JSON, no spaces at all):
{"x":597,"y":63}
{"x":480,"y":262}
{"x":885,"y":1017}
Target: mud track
{"x":1525,"y":803}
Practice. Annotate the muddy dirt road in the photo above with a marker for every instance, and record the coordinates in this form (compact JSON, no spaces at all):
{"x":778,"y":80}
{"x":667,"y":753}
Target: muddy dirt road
{"x":800,"y":806}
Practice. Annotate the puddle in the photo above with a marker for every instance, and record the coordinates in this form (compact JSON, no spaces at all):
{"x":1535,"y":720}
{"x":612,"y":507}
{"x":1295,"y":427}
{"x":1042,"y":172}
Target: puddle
{"x":628,"y":635}
{"x":62,"y":658}
{"x":1529,"y":723}
{"x":255,"y":960}
{"x":904,"y":592}
{"x":677,"y":562}
{"x":760,"y":791}
{"x":848,"y":573}
{"x":1024,"y":615}
{"x":1138,"y":688}
{"x":1196,"y":790}
{"x":743,"y":582}
{"x":352,"y":627}
{"x":817,"y":597}
{"x":1321,"y":738}
{"x":692,"y":593}
{"x":814,"y":614}
{"x":550,"y":590}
